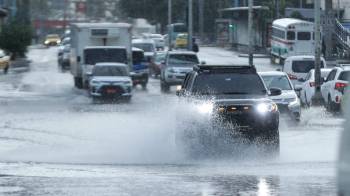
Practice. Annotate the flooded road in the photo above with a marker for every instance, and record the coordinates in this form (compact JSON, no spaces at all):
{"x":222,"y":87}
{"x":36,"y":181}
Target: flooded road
{"x":54,"y":141}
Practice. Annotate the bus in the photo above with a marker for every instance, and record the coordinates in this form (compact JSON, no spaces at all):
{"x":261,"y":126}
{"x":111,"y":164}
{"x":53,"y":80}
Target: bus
{"x":174,"y":30}
{"x":291,"y":37}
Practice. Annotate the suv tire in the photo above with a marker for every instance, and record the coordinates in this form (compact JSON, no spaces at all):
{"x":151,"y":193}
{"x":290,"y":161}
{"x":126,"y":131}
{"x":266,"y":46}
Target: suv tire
{"x":164,"y":87}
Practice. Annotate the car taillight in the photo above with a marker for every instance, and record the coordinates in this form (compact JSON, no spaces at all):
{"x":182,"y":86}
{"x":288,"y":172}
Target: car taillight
{"x":340,"y":86}
{"x":312,"y":84}
{"x":292,"y":77}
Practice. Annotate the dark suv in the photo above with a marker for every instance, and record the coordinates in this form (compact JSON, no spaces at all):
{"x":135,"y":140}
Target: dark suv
{"x":235,"y":96}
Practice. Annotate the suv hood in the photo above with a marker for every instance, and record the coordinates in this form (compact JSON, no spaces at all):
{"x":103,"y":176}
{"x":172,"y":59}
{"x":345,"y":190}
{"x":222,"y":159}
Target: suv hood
{"x":238,"y":99}
{"x":286,"y":94}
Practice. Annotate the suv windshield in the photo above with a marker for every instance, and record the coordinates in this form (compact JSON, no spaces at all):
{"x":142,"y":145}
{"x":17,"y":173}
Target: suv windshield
{"x":228,"y":83}
{"x":304,"y":66}
{"x":93,"y":56}
{"x":181,"y":59}
{"x":280,"y":82}
{"x":144,"y":46}
{"x":110,"y":71}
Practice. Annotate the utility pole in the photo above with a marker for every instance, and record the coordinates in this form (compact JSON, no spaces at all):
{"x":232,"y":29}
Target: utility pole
{"x":201,"y":19}
{"x":250,"y":32}
{"x":277,"y":3}
{"x":338,"y":9}
{"x":169,"y":24}
{"x":65,"y":15}
{"x":190,"y":25}
{"x":317,"y":97}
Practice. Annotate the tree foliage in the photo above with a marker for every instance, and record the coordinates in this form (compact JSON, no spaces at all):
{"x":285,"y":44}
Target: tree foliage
{"x":15,"y":37}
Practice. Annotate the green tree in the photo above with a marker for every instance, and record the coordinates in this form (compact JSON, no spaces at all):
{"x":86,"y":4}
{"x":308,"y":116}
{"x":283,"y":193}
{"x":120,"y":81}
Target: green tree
{"x":15,"y":37}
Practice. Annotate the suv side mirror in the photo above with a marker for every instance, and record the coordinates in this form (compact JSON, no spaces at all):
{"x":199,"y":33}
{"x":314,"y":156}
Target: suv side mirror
{"x":275,"y":91}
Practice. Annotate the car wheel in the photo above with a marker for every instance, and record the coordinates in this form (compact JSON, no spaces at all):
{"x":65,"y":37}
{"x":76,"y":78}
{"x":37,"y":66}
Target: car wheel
{"x":329,"y":105}
{"x":271,"y":141}
{"x":164,"y":87}
{"x":307,"y":104}
{"x":6,"y":69}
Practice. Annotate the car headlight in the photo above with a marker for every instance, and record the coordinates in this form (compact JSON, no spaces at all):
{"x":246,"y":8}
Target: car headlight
{"x":46,"y":42}
{"x":58,"y":41}
{"x":291,"y":100}
{"x":206,"y":108}
{"x":171,"y":70}
{"x":264,"y":108}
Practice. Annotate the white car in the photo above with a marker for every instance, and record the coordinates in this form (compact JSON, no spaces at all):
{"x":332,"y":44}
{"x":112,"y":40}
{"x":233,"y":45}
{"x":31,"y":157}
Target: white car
{"x":334,"y":87}
{"x":159,"y":40}
{"x":297,"y":67}
{"x":307,"y":89}
{"x":110,"y":80}
{"x":288,"y":102}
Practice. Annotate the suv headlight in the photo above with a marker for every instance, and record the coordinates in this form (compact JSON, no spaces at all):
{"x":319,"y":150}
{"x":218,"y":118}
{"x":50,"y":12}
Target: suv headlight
{"x":264,"y":108}
{"x":205,"y":108}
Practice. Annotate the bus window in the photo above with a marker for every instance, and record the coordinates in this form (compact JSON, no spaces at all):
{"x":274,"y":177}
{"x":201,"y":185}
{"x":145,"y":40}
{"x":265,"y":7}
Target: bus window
{"x":278,"y":33}
{"x":304,"y":36}
{"x":291,"y":35}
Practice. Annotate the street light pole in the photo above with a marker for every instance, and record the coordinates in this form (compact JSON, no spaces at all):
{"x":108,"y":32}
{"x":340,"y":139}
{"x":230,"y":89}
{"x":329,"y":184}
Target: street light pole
{"x":201,"y":19}
{"x":250,"y":32}
{"x":317,"y":97}
{"x":190,"y":25}
{"x":169,"y":23}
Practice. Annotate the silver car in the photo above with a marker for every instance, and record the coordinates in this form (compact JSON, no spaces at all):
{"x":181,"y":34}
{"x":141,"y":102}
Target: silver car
{"x":175,"y":67}
{"x":288,"y":102}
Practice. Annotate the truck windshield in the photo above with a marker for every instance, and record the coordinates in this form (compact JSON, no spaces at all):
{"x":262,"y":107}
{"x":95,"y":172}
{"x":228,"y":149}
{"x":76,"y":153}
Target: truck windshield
{"x":93,"y":56}
{"x":110,"y":71}
{"x":144,"y":46}
{"x":228,"y":83}
{"x":304,"y":66}
{"x":137,"y":57}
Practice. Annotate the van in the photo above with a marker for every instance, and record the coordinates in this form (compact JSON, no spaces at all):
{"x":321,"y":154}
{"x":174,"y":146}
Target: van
{"x":297,"y":67}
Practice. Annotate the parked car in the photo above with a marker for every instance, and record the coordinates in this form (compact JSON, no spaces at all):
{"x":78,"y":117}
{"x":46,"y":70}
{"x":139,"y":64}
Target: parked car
{"x":52,"y":40}
{"x":159,"y":41}
{"x":307,"y":88}
{"x":288,"y":102}
{"x":110,"y":81}
{"x":334,"y":87}
{"x":148,"y":46}
{"x":156,"y":65}
{"x":232,"y":99}
{"x":297,"y":67}
{"x":4,"y":61}
{"x":175,"y":67}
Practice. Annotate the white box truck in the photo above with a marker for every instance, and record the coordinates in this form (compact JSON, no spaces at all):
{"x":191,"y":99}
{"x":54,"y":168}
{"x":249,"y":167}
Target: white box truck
{"x":93,"y":43}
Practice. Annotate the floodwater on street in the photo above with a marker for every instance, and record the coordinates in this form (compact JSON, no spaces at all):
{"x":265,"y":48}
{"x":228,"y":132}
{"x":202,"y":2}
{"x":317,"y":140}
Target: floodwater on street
{"x":55,"y":141}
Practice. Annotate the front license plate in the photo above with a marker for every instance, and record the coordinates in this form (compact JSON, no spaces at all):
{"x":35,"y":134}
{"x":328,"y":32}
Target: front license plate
{"x":111,"y":91}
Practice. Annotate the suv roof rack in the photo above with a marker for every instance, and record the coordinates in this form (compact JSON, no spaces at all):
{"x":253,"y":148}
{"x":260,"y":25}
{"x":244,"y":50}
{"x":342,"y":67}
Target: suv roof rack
{"x":223,"y":67}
